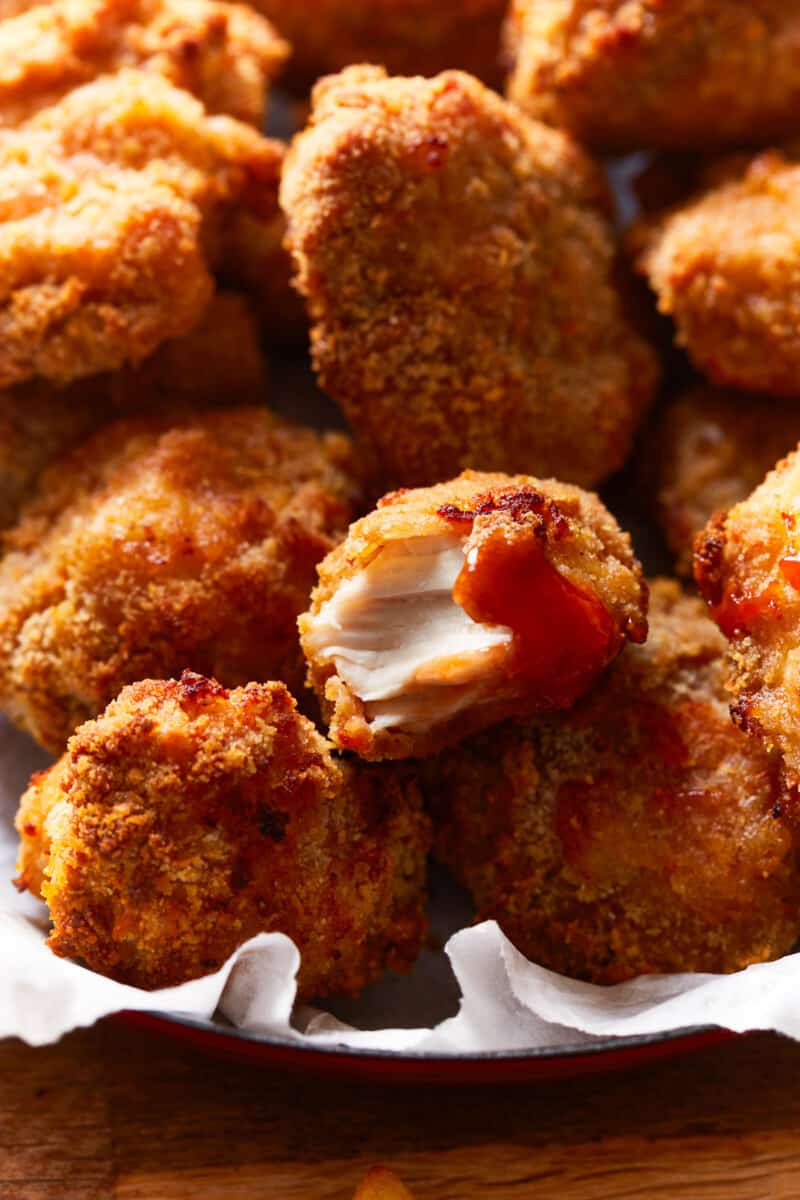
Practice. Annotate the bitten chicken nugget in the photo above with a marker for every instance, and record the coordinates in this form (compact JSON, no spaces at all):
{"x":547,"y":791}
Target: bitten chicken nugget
{"x":113,"y":208}
{"x":409,"y":37}
{"x":639,"y":833}
{"x":708,"y":450}
{"x":224,"y":53}
{"x":450,"y":608}
{"x":219,"y":363}
{"x":187,"y":818}
{"x":747,"y":564}
{"x":627,"y":74}
{"x":725,"y":266}
{"x":156,"y":546}
{"x":457,"y":265}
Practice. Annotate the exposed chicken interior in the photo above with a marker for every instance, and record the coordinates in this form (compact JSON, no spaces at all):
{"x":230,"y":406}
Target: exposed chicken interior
{"x":402,"y":644}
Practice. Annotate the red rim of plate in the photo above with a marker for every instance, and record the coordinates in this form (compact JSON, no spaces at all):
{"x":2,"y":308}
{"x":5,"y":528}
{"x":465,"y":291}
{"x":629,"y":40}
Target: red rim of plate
{"x":387,"y":1066}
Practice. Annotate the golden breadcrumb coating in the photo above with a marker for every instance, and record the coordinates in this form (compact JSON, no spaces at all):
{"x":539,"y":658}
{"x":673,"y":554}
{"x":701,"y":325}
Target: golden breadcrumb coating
{"x":639,"y":833}
{"x":219,"y":363}
{"x":724,"y":266}
{"x":408,"y":37}
{"x":156,"y":546}
{"x":706,"y":451}
{"x":747,"y":564}
{"x":380,"y":1183}
{"x":627,"y":74}
{"x":187,"y":818}
{"x":113,"y":204}
{"x":225,"y":54}
{"x":450,"y":608}
{"x":458,"y":268}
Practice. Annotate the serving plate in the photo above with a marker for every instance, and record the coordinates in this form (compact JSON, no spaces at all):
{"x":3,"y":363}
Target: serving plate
{"x":389,"y":1067}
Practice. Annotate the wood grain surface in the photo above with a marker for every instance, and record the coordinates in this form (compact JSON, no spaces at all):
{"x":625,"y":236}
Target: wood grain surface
{"x":117,"y":1114}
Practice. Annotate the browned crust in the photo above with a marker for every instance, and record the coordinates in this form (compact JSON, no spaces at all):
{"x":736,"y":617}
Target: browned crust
{"x":459,"y":271}
{"x":188,"y":818}
{"x":225,"y":54}
{"x":115,"y":200}
{"x":626,"y":74}
{"x":154,"y":547}
{"x":639,"y":833}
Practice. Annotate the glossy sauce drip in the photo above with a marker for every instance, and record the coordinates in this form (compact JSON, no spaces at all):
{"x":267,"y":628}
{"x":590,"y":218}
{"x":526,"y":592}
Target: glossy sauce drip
{"x":563,"y":636}
{"x":737,"y":614}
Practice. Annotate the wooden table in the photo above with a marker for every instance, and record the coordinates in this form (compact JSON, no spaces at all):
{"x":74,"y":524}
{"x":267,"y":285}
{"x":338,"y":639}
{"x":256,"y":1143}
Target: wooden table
{"x":116,"y":1114}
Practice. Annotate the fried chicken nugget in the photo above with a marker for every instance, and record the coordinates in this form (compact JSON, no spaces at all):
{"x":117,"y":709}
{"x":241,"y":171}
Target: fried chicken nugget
{"x":458,"y":270}
{"x":113,"y":209}
{"x":725,"y":266}
{"x":747,"y":564}
{"x":627,"y":74}
{"x":156,"y":546}
{"x":223,"y":53}
{"x":219,"y":363}
{"x":639,"y":833}
{"x":187,"y":818}
{"x":450,"y":608}
{"x":706,"y":452}
{"x":408,"y":37}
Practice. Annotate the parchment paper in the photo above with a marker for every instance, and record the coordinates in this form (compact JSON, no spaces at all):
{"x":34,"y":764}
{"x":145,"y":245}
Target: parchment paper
{"x":478,"y":993}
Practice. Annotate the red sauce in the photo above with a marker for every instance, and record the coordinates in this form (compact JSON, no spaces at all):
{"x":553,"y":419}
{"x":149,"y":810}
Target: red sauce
{"x":736,"y":614}
{"x":790,"y":569}
{"x":563,"y":636}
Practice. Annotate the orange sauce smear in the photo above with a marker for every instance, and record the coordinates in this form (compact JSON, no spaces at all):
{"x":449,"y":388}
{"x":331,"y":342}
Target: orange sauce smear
{"x":563,"y":636}
{"x":736,"y":615}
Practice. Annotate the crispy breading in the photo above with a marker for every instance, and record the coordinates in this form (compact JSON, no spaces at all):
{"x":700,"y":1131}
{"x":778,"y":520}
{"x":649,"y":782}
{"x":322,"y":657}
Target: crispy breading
{"x":627,"y":74}
{"x":747,"y":564}
{"x":187,"y":818}
{"x":450,"y":608}
{"x":706,"y":451}
{"x":458,"y":268}
{"x":219,"y":363}
{"x":225,"y":54}
{"x":639,"y":833}
{"x":724,"y":265}
{"x":113,"y":205}
{"x":408,"y":37}
{"x":158,"y":546}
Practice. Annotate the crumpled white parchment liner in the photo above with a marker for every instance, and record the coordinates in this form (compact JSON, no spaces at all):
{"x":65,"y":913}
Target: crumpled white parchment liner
{"x":507,"y":1003}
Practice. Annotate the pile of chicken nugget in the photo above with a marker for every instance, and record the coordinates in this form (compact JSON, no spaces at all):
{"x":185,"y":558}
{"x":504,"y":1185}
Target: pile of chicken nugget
{"x":278,"y":667}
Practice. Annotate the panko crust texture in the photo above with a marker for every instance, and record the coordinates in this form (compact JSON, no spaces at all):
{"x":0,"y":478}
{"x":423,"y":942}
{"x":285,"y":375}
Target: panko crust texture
{"x":157,"y":547}
{"x":747,"y":564}
{"x":459,"y":271}
{"x":218,"y":363}
{"x":639,"y":833}
{"x":114,"y":204}
{"x":724,"y":266}
{"x":571,"y":528}
{"x":225,"y":54}
{"x":187,"y":818}
{"x":408,"y":37}
{"x":627,"y":74}
{"x":708,"y":449}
